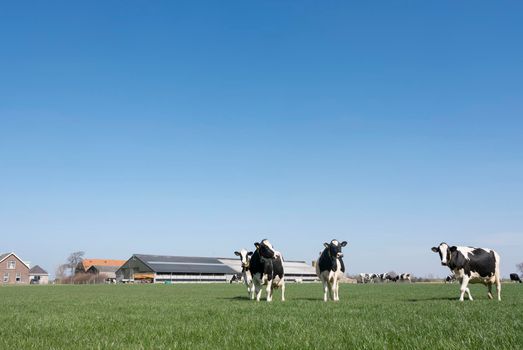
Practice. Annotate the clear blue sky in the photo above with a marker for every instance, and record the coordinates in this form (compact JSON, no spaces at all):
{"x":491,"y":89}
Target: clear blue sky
{"x":197,"y":128}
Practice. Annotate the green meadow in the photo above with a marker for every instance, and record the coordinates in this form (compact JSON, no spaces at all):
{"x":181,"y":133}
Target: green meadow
{"x":219,"y":316}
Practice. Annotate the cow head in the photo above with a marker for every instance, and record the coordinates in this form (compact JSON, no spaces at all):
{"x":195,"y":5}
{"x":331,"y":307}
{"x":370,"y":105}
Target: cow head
{"x":334,"y":248}
{"x":444,"y":252}
{"x":245,"y":257}
{"x":265,"y":249}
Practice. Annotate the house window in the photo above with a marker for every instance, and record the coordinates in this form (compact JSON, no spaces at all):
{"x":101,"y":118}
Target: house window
{"x":18,"y":277}
{"x":11,"y":264}
{"x":6,"y":277}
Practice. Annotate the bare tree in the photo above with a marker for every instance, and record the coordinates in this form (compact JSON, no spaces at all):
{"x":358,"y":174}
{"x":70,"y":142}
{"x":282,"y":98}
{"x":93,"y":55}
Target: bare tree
{"x":74,"y":259}
{"x":60,"y":272}
{"x":520,"y":267}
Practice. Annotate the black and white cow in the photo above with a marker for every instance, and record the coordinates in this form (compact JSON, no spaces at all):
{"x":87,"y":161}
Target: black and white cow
{"x":474,"y":265}
{"x":266,"y":268}
{"x":515,"y":277}
{"x":405,"y":277}
{"x":368,"y":277}
{"x":245,"y":258}
{"x":330,"y":268}
{"x":383,"y":277}
{"x":392,"y":277}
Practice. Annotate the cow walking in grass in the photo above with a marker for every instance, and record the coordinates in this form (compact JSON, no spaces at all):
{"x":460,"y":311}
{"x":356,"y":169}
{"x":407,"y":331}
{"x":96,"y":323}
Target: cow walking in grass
{"x":474,"y":265}
{"x":330,"y":269}
{"x":266,"y":267}
{"x":515,"y":277}
{"x":245,"y":258}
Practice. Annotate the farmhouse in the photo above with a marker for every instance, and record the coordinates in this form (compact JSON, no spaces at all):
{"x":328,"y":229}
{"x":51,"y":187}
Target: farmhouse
{"x":169,"y":269}
{"x":13,"y":270}
{"x":37,"y":275}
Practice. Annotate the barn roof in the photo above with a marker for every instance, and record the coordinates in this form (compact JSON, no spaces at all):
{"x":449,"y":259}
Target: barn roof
{"x":298,"y":268}
{"x":37,"y":270}
{"x":193,"y":264}
{"x":184,"y":264}
{"x":87,"y":263}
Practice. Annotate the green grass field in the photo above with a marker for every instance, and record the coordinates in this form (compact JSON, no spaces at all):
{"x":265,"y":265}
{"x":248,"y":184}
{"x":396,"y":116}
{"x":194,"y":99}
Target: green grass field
{"x":215,"y":316}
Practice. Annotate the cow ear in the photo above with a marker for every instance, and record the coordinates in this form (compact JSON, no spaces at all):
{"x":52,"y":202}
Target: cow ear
{"x":237,"y":253}
{"x":434,"y":249}
{"x":326,"y":245}
{"x":257,"y":245}
{"x":344,"y":243}
{"x":249,"y":253}
{"x":453,"y":248}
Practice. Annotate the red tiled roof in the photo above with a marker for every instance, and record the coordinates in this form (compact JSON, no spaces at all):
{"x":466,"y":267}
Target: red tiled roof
{"x":87,"y":263}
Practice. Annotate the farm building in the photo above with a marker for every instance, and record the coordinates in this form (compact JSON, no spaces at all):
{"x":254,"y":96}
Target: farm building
{"x":168,"y":269}
{"x":13,"y":270}
{"x":108,"y":272}
{"x":102,"y":267}
{"x":37,"y":275}
{"x":86,"y":264}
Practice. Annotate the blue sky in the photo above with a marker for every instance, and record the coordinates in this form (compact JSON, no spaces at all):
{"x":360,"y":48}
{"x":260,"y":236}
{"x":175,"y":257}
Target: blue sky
{"x":197,"y":128}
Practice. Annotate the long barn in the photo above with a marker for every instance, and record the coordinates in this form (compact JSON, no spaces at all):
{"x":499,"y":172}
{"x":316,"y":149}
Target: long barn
{"x":174,"y":269}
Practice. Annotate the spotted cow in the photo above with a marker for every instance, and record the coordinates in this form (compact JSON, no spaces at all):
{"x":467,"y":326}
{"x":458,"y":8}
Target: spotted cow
{"x":368,"y":277}
{"x":330,"y":268}
{"x":474,"y":265}
{"x":245,"y":258}
{"x":266,"y":267}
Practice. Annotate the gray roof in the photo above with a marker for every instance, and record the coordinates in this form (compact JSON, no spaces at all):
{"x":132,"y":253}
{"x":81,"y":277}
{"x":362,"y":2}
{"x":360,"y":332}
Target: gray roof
{"x":184,"y":264}
{"x":2,"y":256}
{"x":37,"y":270}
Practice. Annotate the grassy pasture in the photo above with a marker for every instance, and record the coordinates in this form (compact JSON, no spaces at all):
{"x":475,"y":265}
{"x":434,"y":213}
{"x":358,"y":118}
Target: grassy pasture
{"x":212,"y":316}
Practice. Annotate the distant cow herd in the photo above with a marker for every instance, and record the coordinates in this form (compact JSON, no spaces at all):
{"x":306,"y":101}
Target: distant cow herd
{"x":384,"y":277}
{"x":264,"y":267}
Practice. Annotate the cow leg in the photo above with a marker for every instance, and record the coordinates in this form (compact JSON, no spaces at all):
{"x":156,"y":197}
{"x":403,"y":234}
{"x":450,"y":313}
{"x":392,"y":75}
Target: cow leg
{"x":463,"y":289}
{"x":325,"y":291}
{"x":248,"y":288}
{"x":489,"y":293}
{"x":498,"y":287}
{"x":468,"y":293}
{"x":331,"y":290}
{"x":251,"y":291}
{"x":335,"y":289}
{"x":269,"y":291}
{"x":282,"y":290}
{"x":257,"y":290}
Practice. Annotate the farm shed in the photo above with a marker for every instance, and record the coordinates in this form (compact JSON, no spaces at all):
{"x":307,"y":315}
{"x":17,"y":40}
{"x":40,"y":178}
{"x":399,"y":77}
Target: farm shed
{"x":111,"y":264}
{"x":168,"y":269}
{"x":108,"y":272}
{"x":37,"y":275}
